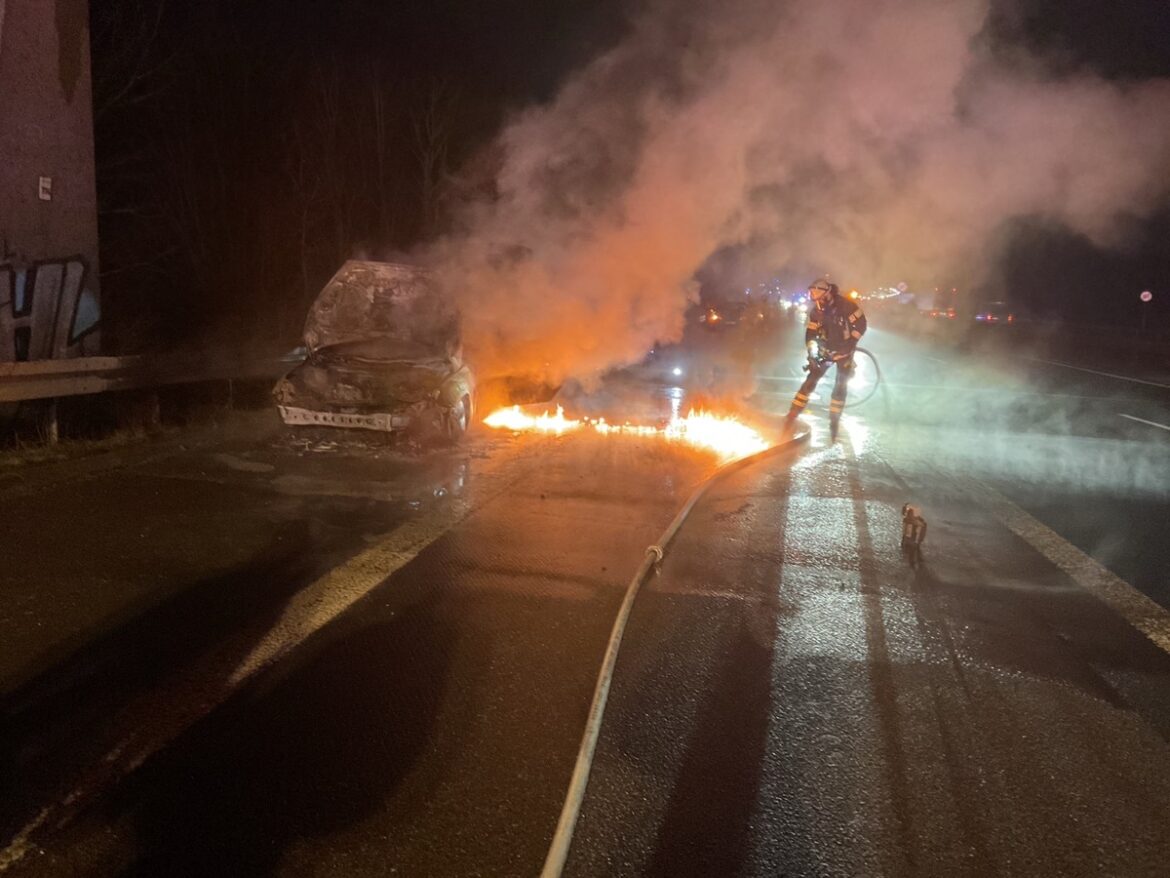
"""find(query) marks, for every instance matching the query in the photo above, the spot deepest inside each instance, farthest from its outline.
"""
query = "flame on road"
(727, 437)
(514, 419)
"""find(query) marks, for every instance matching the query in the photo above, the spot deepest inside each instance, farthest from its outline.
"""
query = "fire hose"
(863, 361)
(558, 853)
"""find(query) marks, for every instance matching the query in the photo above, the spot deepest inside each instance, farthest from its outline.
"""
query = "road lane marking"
(1104, 374)
(1144, 421)
(21, 844)
(315, 607)
(159, 716)
(1149, 617)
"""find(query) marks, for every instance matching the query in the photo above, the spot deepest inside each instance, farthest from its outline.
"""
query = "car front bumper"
(384, 422)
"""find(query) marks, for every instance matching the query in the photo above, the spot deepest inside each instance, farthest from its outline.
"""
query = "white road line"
(1104, 374)
(1144, 421)
(1148, 617)
(315, 607)
(20, 844)
(159, 716)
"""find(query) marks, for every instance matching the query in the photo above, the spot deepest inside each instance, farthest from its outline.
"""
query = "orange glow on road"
(727, 437)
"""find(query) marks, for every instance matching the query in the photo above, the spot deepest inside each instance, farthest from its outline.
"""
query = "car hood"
(395, 307)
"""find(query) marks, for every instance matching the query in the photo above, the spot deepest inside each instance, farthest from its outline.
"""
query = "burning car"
(383, 353)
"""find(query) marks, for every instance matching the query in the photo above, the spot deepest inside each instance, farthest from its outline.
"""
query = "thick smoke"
(880, 140)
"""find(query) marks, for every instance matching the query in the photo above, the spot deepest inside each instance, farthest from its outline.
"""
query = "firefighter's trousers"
(816, 372)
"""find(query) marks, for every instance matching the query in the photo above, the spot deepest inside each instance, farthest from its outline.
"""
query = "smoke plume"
(880, 140)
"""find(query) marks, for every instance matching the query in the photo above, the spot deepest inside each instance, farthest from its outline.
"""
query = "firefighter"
(913, 527)
(835, 325)
(913, 534)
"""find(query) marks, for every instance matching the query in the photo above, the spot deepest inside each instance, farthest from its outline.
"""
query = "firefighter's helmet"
(820, 290)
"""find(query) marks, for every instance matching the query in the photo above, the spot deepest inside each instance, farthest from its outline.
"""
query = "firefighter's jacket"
(836, 327)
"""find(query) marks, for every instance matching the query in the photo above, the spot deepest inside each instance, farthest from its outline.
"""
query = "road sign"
(1146, 296)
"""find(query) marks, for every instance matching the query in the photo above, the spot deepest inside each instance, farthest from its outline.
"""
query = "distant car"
(939, 313)
(383, 353)
(993, 314)
(667, 363)
(725, 315)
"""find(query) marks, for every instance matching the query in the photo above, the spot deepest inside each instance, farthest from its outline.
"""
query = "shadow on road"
(707, 826)
(317, 753)
(60, 727)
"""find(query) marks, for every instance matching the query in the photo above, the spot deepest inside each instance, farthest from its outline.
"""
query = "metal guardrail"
(50, 379)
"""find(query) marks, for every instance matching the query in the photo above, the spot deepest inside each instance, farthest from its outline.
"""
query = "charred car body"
(383, 353)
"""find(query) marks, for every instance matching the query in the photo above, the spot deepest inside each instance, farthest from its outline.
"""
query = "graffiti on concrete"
(47, 310)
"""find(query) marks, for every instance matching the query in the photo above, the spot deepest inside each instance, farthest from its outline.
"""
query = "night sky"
(498, 56)
(1125, 40)
(1122, 41)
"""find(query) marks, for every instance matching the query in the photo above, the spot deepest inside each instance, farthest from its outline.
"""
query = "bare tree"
(128, 62)
(303, 171)
(433, 117)
(384, 119)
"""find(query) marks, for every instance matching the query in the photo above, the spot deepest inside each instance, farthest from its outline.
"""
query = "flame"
(728, 437)
(514, 419)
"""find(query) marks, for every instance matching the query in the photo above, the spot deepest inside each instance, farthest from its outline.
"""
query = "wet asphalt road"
(848, 714)
(259, 658)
